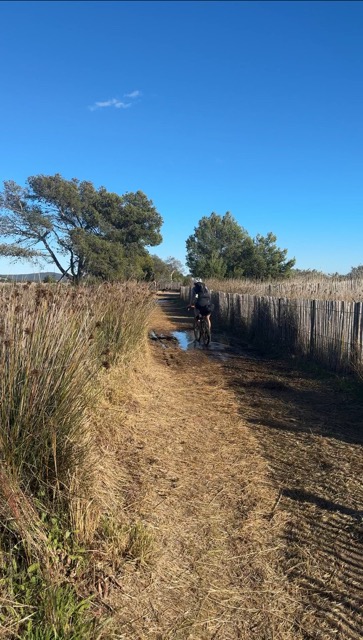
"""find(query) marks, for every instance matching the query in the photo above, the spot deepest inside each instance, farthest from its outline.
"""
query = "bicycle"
(201, 329)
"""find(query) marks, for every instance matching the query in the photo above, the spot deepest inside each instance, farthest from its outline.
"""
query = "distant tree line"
(355, 272)
(97, 234)
(170, 269)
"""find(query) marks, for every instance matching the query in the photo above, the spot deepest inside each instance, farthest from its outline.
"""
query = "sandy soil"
(243, 480)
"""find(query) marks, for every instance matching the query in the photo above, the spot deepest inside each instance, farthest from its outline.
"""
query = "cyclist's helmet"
(197, 280)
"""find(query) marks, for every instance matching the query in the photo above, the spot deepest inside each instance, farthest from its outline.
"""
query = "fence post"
(312, 325)
(356, 354)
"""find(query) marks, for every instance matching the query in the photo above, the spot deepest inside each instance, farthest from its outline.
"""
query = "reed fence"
(317, 288)
(327, 331)
(167, 285)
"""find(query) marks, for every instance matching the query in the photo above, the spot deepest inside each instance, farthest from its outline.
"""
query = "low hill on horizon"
(30, 277)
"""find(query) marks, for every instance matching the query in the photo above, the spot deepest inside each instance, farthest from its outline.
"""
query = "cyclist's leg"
(208, 319)
(207, 313)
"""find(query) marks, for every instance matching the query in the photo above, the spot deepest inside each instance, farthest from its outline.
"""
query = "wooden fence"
(328, 331)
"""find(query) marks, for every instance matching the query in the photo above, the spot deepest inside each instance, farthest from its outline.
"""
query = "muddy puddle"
(221, 347)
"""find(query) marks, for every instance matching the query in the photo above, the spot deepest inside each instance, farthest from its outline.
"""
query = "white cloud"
(122, 105)
(133, 94)
(114, 102)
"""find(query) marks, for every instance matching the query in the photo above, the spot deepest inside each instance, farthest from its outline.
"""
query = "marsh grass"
(309, 286)
(56, 343)
(123, 314)
(47, 367)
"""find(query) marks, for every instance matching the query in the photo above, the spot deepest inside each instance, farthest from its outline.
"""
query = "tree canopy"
(356, 272)
(169, 269)
(221, 248)
(81, 229)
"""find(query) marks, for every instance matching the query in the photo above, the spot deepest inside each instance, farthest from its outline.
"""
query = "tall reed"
(47, 364)
(312, 287)
(55, 341)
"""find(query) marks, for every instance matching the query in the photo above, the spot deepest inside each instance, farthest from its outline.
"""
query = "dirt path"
(243, 479)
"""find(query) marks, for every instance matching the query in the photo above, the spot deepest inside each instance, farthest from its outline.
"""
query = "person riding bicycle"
(200, 300)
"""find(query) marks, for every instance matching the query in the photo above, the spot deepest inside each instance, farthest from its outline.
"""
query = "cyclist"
(200, 300)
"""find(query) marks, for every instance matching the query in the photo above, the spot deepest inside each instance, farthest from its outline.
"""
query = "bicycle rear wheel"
(205, 334)
(196, 328)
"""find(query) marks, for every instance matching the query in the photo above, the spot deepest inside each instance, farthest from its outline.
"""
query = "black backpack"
(203, 294)
(199, 288)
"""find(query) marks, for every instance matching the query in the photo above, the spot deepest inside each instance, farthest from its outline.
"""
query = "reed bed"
(307, 287)
(55, 343)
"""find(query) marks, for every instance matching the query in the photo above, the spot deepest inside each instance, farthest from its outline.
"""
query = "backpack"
(203, 295)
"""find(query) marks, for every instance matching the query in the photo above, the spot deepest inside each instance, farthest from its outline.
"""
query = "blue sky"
(250, 107)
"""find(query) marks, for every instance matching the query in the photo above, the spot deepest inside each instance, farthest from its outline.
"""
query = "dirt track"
(255, 507)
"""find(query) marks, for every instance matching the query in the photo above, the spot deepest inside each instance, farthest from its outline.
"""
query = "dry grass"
(200, 490)
(253, 513)
(54, 343)
(307, 287)
(225, 506)
(57, 478)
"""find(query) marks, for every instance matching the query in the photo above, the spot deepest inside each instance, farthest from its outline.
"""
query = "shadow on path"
(310, 431)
